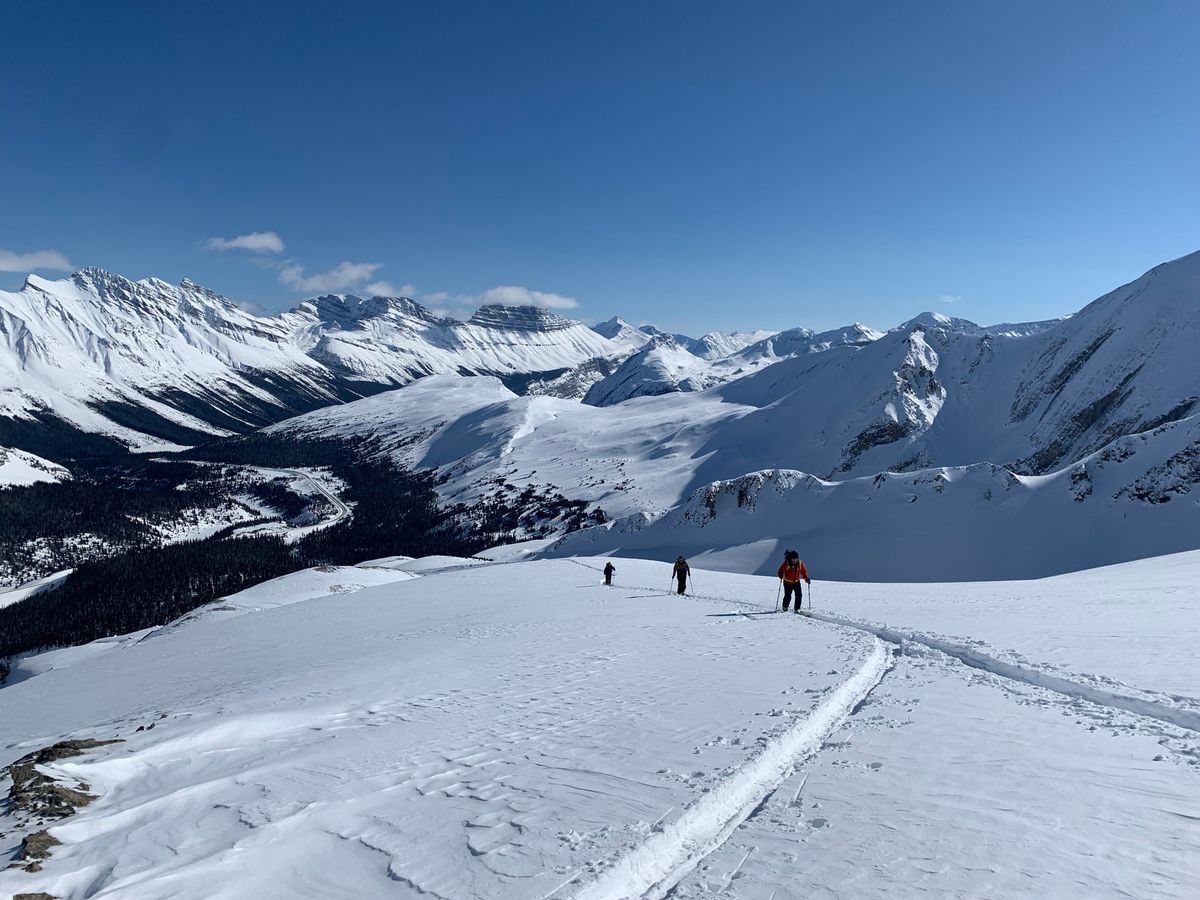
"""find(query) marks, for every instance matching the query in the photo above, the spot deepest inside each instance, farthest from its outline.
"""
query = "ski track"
(976, 659)
(1145, 705)
(652, 868)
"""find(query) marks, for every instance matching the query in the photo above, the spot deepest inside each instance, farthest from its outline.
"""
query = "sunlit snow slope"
(521, 731)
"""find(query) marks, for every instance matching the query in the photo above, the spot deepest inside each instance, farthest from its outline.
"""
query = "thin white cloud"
(251, 307)
(344, 276)
(949, 298)
(387, 289)
(11, 261)
(513, 295)
(255, 242)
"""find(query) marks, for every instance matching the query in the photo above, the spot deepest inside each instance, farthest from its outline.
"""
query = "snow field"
(484, 732)
(521, 731)
(20, 468)
(949, 782)
(653, 868)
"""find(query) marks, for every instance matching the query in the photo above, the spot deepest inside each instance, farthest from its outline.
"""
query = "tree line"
(396, 511)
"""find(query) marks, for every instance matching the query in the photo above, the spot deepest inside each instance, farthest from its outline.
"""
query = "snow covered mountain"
(712, 346)
(146, 360)
(623, 334)
(936, 393)
(946, 401)
(662, 366)
(720, 344)
(665, 366)
(646, 462)
(797, 341)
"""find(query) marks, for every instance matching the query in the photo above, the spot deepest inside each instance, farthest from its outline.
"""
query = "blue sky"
(699, 165)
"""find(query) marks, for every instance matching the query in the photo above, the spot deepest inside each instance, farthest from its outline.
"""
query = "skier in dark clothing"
(791, 573)
(681, 572)
(609, 568)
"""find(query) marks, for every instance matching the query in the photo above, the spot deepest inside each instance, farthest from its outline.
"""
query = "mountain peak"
(101, 278)
(612, 327)
(931, 319)
(348, 312)
(518, 318)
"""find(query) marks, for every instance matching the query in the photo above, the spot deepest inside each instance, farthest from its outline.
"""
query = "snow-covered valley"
(520, 730)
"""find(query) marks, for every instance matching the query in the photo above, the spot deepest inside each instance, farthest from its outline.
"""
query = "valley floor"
(450, 729)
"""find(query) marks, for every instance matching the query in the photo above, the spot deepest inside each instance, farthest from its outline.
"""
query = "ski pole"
(778, 591)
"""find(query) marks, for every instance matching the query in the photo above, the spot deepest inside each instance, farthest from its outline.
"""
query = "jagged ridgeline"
(134, 578)
(146, 362)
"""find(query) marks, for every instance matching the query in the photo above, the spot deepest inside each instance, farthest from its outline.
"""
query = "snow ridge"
(651, 869)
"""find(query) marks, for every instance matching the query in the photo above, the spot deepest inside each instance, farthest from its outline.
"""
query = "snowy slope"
(796, 341)
(720, 344)
(712, 346)
(179, 362)
(622, 334)
(944, 391)
(570, 741)
(938, 391)
(663, 366)
(1122, 364)
(642, 457)
(1023, 329)
(10, 596)
(19, 468)
(1138, 497)
(638, 455)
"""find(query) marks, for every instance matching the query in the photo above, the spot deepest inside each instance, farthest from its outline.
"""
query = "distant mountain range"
(640, 423)
(150, 363)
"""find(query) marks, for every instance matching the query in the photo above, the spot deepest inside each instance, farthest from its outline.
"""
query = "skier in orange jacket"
(791, 573)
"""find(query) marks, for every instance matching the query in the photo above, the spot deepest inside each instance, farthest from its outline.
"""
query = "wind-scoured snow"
(521, 732)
